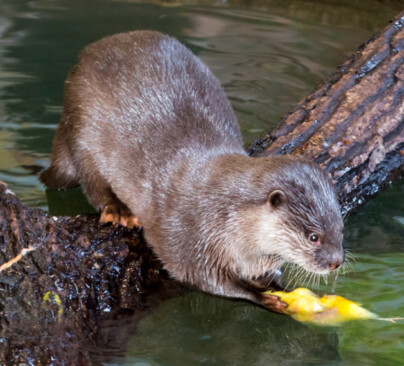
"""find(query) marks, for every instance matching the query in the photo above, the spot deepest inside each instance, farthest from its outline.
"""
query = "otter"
(151, 137)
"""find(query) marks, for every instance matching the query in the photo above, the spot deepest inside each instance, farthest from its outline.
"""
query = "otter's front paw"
(119, 215)
(273, 303)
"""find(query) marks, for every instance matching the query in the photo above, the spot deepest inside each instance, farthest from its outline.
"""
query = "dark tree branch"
(353, 124)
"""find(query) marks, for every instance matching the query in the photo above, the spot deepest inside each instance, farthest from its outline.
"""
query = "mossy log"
(70, 273)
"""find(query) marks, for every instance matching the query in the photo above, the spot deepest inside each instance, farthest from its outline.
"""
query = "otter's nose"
(330, 259)
(336, 261)
(334, 265)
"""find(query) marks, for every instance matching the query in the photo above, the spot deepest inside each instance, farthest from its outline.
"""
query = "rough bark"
(80, 272)
(353, 124)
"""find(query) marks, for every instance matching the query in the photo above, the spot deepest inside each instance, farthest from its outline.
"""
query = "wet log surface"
(77, 272)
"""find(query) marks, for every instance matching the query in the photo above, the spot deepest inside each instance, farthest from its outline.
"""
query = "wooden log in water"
(68, 274)
(353, 124)
(76, 273)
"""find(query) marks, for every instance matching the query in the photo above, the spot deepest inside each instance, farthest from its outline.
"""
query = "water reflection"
(201, 329)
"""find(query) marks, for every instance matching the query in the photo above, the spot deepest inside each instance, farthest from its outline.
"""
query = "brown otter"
(149, 134)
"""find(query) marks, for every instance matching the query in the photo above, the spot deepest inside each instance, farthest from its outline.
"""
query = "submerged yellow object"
(305, 306)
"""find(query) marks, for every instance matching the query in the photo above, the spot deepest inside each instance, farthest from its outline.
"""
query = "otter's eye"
(314, 238)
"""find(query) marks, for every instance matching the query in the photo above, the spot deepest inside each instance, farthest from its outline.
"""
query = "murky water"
(268, 55)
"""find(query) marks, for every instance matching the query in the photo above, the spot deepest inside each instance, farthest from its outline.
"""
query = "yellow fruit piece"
(345, 310)
(305, 306)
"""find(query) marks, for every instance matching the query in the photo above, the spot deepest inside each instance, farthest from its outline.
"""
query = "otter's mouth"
(298, 275)
(320, 262)
(315, 268)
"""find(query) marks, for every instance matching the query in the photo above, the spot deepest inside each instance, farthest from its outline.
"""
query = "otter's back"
(147, 91)
(137, 106)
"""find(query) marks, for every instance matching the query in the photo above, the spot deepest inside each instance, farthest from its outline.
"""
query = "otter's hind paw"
(119, 215)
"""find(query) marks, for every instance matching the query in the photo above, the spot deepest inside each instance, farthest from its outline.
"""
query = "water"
(268, 55)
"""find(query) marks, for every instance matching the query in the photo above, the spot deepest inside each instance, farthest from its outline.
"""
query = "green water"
(268, 55)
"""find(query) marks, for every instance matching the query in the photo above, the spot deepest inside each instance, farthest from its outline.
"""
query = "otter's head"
(301, 222)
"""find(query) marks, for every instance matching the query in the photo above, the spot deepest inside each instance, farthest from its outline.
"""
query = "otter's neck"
(216, 222)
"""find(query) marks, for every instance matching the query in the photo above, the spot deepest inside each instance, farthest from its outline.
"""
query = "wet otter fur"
(149, 134)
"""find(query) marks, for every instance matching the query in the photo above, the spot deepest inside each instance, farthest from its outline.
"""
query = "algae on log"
(353, 124)
(80, 272)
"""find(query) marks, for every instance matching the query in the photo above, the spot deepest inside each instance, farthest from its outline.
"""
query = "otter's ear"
(276, 198)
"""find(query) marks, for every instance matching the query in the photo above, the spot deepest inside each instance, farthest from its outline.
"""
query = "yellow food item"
(305, 306)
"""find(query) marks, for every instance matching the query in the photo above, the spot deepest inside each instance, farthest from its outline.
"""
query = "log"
(353, 124)
(65, 275)
(77, 272)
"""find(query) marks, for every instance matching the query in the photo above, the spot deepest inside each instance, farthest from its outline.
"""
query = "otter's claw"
(274, 303)
(112, 213)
